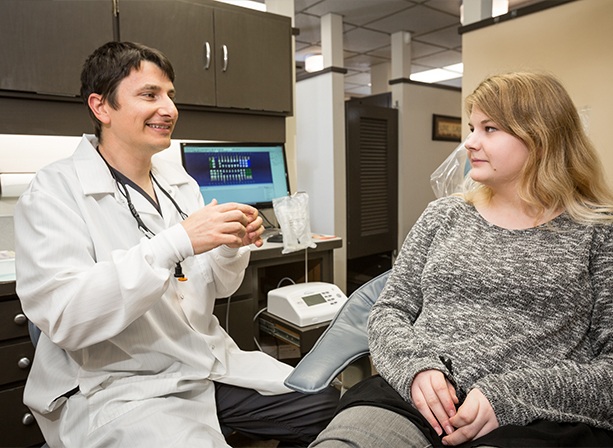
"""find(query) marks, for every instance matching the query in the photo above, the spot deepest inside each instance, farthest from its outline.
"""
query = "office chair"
(35, 335)
(343, 347)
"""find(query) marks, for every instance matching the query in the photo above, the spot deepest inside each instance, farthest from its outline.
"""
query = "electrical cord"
(265, 218)
(228, 314)
(255, 318)
(285, 278)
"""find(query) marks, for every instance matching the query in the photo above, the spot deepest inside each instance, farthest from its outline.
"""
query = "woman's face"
(496, 157)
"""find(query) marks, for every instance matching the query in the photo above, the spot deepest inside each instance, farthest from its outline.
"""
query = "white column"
(379, 78)
(401, 71)
(320, 143)
(332, 40)
(476, 10)
(401, 55)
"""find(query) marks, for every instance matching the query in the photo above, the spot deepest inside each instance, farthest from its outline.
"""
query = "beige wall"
(574, 41)
(419, 155)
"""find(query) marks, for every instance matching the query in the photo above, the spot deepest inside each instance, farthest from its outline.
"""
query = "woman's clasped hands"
(435, 398)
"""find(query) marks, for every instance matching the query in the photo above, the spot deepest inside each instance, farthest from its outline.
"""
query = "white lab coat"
(112, 314)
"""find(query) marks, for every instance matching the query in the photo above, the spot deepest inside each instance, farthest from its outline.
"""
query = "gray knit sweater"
(526, 316)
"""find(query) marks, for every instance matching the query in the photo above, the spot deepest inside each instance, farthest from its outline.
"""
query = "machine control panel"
(306, 303)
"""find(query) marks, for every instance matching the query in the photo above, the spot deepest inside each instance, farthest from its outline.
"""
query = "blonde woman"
(495, 327)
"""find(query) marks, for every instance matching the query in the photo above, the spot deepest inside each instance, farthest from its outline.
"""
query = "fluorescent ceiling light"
(439, 74)
(314, 63)
(458, 68)
(246, 4)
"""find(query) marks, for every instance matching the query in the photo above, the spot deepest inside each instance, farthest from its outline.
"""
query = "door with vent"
(372, 179)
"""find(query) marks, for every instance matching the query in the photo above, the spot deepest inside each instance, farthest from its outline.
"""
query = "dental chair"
(343, 348)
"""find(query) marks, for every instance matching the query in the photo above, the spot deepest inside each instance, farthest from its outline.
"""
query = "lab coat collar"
(95, 177)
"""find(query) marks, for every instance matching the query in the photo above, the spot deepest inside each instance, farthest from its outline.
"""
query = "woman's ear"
(99, 107)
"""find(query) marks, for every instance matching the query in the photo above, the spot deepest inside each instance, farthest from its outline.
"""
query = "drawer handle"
(207, 55)
(225, 58)
(23, 363)
(27, 419)
(20, 319)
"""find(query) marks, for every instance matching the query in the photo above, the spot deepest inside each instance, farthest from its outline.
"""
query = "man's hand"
(231, 224)
(474, 419)
(435, 398)
(254, 229)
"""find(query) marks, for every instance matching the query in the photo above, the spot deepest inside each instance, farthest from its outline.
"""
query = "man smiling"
(119, 264)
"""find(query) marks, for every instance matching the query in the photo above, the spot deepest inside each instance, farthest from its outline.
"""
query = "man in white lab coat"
(131, 354)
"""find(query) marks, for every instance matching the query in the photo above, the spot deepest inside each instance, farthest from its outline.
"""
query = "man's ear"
(99, 107)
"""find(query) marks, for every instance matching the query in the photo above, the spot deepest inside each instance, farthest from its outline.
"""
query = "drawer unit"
(20, 428)
(16, 355)
(13, 323)
(16, 361)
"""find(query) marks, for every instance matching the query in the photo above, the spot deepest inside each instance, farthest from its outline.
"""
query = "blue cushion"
(344, 341)
(34, 333)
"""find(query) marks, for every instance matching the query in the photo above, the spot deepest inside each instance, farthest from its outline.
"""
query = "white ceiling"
(368, 25)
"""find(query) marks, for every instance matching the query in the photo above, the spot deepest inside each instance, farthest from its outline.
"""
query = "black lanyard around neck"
(122, 182)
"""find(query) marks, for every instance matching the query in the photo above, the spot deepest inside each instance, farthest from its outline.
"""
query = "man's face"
(146, 114)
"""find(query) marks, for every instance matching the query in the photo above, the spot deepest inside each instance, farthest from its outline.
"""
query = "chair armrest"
(344, 341)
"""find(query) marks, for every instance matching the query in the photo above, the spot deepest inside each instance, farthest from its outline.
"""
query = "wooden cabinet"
(226, 57)
(184, 33)
(44, 43)
(16, 353)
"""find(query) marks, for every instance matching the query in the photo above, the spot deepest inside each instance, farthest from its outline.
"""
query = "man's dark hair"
(108, 65)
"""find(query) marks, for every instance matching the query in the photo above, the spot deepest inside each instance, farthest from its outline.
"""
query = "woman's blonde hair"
(563, 169)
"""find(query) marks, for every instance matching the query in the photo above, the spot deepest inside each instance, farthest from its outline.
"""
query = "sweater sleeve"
(570, 391)
(398, 351)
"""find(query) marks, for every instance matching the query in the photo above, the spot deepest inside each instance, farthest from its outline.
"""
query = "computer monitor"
(250, 173)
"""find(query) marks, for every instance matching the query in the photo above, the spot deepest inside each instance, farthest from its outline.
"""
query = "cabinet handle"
(20, 319)
(23, 363)
(27, 419)
(225, 58)
(207, 55)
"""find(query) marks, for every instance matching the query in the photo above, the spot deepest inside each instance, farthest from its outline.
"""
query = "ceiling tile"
(359, 12)
(301, 5)
(358, 91)
(309, 27)
(367, 26)
(362, 62)
(383, 52)
(441, 59)
(448, 6)
(362, 40)
(418, 20)
(359, 78)
(416, 68)
(446, 37)
(420, 49)
(457, 82)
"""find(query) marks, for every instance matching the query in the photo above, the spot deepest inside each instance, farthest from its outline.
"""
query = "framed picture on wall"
(446, 128)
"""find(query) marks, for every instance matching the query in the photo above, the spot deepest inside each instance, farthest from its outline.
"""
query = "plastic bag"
(292, 213)
(448, 178)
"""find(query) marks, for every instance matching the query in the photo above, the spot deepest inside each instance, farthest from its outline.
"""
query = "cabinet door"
(184, 33)
(44, 42)
(257, 74)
